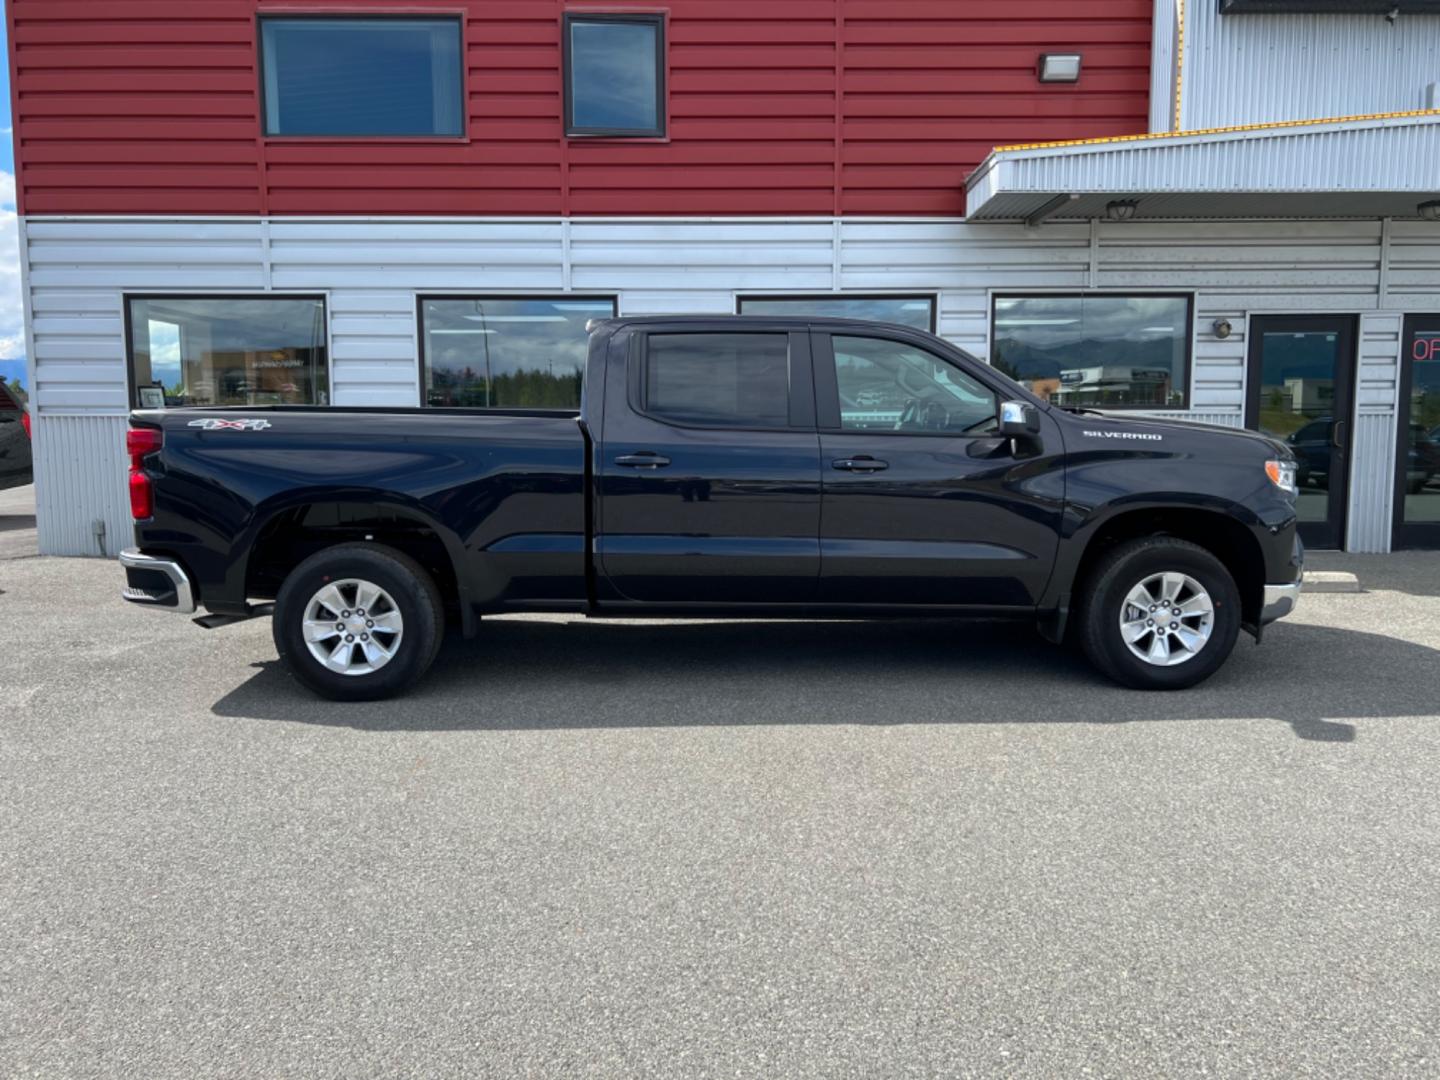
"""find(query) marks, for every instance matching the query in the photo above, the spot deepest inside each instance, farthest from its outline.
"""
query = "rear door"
(924, 505)
(709, 467)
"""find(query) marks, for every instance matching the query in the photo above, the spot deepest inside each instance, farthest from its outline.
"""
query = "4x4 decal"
(211, 424)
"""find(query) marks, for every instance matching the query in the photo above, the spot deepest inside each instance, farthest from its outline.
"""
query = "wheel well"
(294, 535)
(1219, 534)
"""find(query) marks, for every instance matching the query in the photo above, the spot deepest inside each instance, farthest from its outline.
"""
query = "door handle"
(863, 463)
(645, 459)
(1336, 431)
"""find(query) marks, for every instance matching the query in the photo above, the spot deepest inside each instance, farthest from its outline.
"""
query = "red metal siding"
(776, 107)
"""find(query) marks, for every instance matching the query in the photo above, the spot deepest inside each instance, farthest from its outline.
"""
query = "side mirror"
(1019, 420)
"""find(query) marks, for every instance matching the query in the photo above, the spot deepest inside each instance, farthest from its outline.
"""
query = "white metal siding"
(1372, 450)
(371, 272)
(1245, 69)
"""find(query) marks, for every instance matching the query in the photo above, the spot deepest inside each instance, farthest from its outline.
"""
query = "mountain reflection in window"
(1099, 351)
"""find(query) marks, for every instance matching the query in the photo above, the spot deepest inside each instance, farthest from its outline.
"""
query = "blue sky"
(12, 326)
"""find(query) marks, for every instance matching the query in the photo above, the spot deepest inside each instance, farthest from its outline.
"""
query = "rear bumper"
(155, 581)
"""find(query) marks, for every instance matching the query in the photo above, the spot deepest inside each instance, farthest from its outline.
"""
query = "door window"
(719, 380)
(891, 386)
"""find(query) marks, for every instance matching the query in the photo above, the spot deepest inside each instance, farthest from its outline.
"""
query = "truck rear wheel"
(358, 622)
(1159, 614)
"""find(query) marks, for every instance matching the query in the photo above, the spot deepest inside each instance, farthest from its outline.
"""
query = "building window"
(615, 75)
(491, 352)
(210, 350)
(718, 380)
(1096, 350)
(916, 311)
(362, 77)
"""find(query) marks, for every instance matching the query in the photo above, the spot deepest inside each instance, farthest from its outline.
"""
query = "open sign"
(1426, 347)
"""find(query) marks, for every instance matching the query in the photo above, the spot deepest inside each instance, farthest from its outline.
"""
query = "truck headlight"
(1282, 474)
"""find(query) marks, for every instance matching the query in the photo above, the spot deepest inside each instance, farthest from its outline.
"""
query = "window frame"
(1186, 376)
(420, 336)
(661, 131)
(133, 388)
(932, 298)
(1408, 535)
(455, 15)
(800, 405)
(830, 421)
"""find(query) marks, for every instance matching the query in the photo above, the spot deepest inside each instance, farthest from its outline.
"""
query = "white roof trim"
(1391, 155)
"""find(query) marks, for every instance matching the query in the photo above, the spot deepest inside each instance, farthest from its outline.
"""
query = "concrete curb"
(1328, 581)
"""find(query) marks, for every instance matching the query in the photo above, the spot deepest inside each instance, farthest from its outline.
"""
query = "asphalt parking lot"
(734, 849)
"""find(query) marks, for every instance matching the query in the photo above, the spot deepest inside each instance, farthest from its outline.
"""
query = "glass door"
(1301, 381)
(1417, 457)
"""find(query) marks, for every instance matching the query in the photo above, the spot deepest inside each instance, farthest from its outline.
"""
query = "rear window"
(719, 380)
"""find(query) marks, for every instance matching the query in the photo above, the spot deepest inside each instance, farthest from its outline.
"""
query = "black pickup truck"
(721, 466)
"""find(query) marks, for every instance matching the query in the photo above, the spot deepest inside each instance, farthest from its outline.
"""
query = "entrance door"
(1417, 459)
(1301, 385)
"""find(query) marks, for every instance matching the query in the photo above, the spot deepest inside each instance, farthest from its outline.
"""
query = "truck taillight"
(25, 423)
(138, 443)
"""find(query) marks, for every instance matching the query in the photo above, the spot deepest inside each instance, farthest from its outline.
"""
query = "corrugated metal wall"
(372, 270)
(1247, 69)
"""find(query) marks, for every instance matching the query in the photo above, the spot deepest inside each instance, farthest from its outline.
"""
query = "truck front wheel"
(358, 622)
(1159, 614)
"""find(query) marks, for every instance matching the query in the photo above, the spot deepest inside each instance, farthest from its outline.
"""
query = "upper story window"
(615, 75)
(1096, 349)
(369, 77)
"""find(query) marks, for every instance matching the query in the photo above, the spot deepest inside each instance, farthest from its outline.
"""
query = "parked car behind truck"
(719, 467)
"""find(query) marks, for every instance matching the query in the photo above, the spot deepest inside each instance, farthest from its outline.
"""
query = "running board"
(214, 622)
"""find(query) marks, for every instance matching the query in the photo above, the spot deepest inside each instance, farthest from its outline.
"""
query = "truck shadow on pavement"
(524, 675)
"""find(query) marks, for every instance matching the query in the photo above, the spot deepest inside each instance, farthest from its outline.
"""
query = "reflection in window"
(229, 351)
(518, 353)
(1422, 444)
(719, 380)
(916, 311)
(1094, 350)
(613, 74)
(891, 386)
(366, 77)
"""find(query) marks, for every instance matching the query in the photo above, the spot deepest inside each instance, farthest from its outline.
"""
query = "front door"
(1417, 459)
(923, 503)
(1301, 385)
(709, 469)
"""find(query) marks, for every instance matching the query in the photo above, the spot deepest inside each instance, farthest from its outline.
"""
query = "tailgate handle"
(863, 463)
(645, 459)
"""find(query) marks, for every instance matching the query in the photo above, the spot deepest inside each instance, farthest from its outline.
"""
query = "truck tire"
(1159, 613)
(358, 622)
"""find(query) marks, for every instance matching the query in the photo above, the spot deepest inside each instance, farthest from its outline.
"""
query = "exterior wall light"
(1120, 209)
(1059, 67)
(1430, 211)
(1222, 328)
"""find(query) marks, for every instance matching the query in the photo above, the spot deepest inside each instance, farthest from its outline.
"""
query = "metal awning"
(1354, 167)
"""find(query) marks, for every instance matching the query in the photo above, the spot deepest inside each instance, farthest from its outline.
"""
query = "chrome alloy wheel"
(1167, 619)
(353, 627)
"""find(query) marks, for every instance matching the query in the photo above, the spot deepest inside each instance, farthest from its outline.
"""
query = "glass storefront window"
(192, 350)
(1420, 435)
(1096, 350)
(916, 311)
(507, 352)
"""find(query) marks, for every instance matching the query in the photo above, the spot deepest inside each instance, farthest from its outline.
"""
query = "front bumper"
(155, 581)
(1280, 600)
